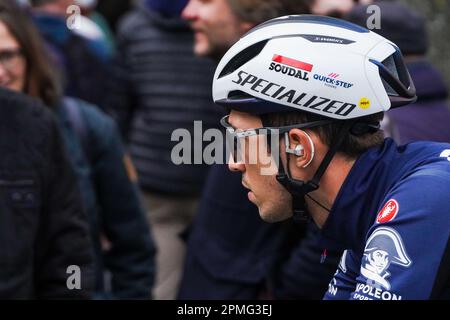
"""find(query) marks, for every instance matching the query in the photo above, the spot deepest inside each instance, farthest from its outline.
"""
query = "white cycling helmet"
(315, 64)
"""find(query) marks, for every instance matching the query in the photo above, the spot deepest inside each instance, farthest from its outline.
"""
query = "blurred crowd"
(90, 94)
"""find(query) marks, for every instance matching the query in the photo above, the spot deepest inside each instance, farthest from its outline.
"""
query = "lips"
(198, 32)
(196, 29)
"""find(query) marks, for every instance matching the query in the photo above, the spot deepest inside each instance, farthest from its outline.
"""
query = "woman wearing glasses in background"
(120, 237)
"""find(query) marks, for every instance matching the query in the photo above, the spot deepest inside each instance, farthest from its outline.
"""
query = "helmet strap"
(299, 188)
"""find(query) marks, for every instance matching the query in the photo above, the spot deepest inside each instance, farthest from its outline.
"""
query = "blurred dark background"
(437, 13)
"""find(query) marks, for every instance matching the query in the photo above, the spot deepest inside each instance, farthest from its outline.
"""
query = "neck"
(330, 184)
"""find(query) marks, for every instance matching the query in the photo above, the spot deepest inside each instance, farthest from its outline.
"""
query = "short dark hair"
(41, 79)
(351, 147)
(258, 11)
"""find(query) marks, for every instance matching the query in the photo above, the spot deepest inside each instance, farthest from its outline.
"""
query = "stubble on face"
(278, 207)
(208, 43)
(273, 200)
(216, 27)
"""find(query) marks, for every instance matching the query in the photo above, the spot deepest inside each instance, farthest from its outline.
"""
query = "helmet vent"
(242, 58)
(398, 74)
(389, 63)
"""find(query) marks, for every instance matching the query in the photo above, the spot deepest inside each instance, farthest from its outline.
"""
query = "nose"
(235, 166)
(189, 12)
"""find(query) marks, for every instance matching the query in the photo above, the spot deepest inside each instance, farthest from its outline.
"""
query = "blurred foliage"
(437, 14)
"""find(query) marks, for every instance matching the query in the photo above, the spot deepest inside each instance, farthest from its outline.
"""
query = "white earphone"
(298, 150)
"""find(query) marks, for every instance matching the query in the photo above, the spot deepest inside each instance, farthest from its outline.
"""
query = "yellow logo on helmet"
(364, 103)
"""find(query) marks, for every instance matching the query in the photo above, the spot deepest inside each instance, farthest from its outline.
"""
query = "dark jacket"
(168, 88)
(429, 117)
(111, 199)
(83, 63)
(43, 229)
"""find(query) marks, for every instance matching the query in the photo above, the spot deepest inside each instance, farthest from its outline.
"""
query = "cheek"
(251, 173)
(23, 73)
(265, 185)
(19, 74)
(22, 76)
(268, 163)
(223, 32)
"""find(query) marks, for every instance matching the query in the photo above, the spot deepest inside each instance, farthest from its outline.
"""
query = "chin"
(272, 215)
(198, 52)
(201, 48)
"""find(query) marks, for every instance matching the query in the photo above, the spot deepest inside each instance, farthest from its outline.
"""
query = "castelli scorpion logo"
(388, 212)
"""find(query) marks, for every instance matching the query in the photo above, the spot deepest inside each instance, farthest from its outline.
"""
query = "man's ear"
(301, 142)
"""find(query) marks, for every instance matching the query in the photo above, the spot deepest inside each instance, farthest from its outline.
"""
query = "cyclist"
(319, 86)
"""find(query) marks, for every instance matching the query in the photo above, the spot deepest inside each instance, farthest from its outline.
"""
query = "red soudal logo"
(291, 67)
(388, 212)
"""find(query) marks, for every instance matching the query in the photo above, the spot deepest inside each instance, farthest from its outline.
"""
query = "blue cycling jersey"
(392, 215)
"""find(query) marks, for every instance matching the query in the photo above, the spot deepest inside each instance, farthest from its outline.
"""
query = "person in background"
(336, 8)
(43, 229)
(105, 174)
(84, 62)
(429, 117)
(163, 87)
(332, 8)
(232, 254)
(44, 235)
(23, 3)
(99, 31)
(114, 10)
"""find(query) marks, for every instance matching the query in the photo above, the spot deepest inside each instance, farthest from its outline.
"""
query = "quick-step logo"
(332, 81)
(291, 67)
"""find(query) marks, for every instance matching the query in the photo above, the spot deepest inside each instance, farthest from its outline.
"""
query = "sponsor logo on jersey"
(291, 67)
(445, 154)
(364, 103)
(332, 81)
(332, 286)
(388, 212)
(292, 96)
(368, 292)
(342, 264)
(383, 248)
